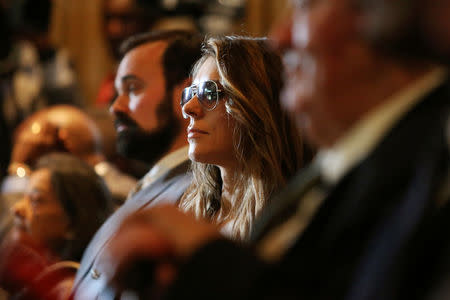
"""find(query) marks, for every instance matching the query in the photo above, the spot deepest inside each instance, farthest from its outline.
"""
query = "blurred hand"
(40, 138)
(144, 256)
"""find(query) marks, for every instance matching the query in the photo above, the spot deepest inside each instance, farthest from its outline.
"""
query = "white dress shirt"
(164, 165)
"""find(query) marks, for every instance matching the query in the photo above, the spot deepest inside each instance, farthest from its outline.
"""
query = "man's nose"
(120, 104)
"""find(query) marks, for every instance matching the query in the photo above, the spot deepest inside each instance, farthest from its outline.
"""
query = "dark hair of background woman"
(83, 195)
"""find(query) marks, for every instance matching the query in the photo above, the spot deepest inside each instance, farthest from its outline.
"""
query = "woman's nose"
(193, 108)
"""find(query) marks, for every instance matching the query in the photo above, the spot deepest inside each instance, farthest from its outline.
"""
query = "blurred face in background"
(122, 18)
(40, 214)
(143, 109)
(328, 68)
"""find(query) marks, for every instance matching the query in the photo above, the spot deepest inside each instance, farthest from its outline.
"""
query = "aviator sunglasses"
(208, 94)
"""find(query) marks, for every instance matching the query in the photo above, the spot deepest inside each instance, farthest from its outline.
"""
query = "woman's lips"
(194, 132)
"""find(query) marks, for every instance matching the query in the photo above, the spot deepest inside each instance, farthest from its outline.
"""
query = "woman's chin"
(196, 158)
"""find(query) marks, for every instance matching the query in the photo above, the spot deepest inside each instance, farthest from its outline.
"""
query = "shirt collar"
(165, 164)
(173, 159)
(362, 138)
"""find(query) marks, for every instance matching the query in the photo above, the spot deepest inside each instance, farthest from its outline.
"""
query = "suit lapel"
(284, 205)
(138, 201)
(372, 198)
(369, 201)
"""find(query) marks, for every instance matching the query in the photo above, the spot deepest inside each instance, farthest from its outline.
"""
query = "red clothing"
(27, 271)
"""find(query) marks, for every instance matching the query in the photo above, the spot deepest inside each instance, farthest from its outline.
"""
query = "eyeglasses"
(207, 92)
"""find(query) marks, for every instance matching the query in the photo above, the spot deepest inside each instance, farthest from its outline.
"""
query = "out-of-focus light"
(36, 128)
(101, 168)
(216, 24)
(21, 172)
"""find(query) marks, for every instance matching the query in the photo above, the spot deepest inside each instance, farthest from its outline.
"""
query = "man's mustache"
(123, 119)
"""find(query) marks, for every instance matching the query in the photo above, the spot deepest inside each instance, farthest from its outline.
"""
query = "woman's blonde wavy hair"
(266, 143)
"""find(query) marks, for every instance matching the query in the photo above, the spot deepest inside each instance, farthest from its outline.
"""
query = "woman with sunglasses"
(241, 142)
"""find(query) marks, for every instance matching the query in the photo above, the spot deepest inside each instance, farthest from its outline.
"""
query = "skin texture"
(39, 213)
(140, 85)
(210, 133)
(145, 113)
(317, 90)
(334, 67)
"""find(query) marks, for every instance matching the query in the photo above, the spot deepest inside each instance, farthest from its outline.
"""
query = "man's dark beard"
(136, 143)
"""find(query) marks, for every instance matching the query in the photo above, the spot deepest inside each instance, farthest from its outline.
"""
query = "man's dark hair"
(183, 50)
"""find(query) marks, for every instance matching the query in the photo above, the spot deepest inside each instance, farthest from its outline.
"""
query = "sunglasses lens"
(186, 96)
(207, 94)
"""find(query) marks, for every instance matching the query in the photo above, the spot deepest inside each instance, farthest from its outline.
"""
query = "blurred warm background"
(56, 52)
(77, 26)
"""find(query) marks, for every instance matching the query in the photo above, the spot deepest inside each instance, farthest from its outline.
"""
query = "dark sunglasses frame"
(199, 90)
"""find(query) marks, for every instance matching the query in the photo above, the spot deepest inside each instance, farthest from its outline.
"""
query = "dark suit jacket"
(379, 234)
(167, 189)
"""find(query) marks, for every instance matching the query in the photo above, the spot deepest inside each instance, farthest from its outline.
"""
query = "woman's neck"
(228, 185)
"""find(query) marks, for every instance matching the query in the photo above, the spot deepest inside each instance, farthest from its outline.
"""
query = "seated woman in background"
(64, 205)
(242, 144)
